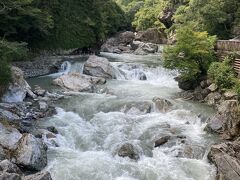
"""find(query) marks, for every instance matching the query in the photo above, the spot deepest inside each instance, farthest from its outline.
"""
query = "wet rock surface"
(78, 82)
(99, 67)
(141, 43)
(128, 150)
(226, 157)
(31, 153)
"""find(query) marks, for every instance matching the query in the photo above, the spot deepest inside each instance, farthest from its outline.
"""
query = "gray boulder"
(226, 158)
(9, 137)
(9, 176)
(9, 167)
(227, 119)
(162, 141)
(99, 67)
(146, 48)
(128, 150)
(18, 88)
(152, 35)
(31, 153)
(78, 82)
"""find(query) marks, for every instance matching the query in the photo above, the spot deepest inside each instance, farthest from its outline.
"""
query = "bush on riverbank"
(192, 53)
(222, 73)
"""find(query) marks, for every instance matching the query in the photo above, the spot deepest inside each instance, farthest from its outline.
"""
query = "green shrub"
(192, 54)
(222, 74)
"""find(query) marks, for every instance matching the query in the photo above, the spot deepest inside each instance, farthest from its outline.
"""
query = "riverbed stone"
(52, 129)
(99, 67)
(31, 153)
(9, 176)
(17, 89)
(162, 105)
(146, 48)
(78, 82)
(43, 106)
(9, 167)
(43, 175)
(128, 150)
(162, 141)
(9, 137)
(39, 91)
(152, 35)
(226, 158)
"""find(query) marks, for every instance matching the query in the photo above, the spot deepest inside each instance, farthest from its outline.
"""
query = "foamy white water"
(92, 128)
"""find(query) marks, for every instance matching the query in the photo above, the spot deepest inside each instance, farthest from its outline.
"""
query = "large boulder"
(78, 82)
(43, 175)
(18, 87)
(227, 119)
(99, 67)
(31, 153)
(152, 35)
(9, 137)
(226, 157)
(126, 37)
(146, 48)
(128, 150)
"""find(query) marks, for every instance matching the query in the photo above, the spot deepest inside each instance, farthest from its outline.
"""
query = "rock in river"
(128, 150)
(9, 137)
(99, 67)
(78, 82)
(31, 153)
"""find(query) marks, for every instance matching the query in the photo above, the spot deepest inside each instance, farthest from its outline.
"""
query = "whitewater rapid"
(92, 128)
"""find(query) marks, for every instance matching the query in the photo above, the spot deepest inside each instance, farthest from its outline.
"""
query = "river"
(92, 127)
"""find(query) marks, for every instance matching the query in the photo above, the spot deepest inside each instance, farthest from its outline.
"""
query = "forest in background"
(33, 25)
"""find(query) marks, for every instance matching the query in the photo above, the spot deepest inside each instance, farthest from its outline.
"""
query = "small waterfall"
(65, 67)
(136, 72)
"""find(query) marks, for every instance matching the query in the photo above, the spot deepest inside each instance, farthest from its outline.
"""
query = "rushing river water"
(92, 127)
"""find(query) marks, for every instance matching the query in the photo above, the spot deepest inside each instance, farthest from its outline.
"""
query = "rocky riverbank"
(23, 152)
(141, 43)
(225, 123)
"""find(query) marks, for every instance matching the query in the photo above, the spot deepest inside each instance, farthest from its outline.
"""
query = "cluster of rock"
(168, 139)
(140, 43)
(20, 154)
(22, 151)
(96, 71)
(225, 123)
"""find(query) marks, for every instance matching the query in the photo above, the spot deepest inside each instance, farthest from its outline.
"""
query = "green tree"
(192, 54)
(214, 16)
